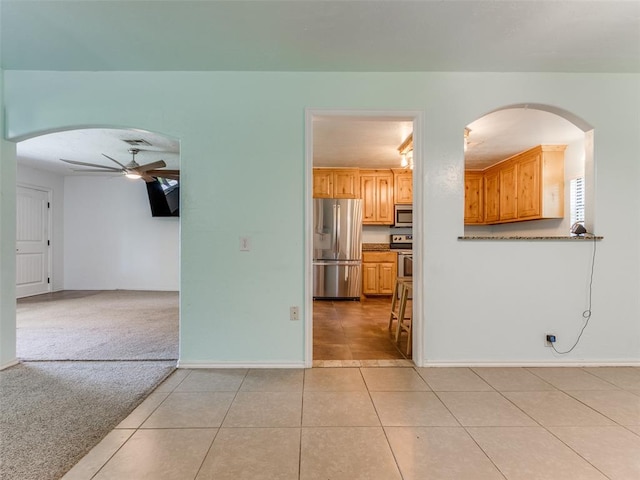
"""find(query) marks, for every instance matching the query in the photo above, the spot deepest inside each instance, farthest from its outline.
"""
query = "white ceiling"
(88, 145)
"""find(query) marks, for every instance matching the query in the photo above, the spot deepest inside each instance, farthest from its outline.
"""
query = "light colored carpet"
(53, 413)
(98, 325)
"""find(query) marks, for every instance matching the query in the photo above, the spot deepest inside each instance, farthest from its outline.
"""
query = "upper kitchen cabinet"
(376, 190)
(527, 186)
(473, 198)
(403, 186)
(336, 183)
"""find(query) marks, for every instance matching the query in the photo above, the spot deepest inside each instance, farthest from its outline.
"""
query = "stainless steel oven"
(403, 244)
(403, 216)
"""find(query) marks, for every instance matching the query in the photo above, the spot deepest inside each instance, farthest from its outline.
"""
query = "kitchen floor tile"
(484, 409)
(333, 380)
(265, 409)
(512, 379)
(619, 405)
(411, 409)
(162, 454)
(532, 453)
(212, 380)
(556, 409)
(253, 454)
(566, 378)
(346, 453)
(99, 455)
(393, 379)
(615, 451)
(623, 377)
(273, 380)
(435, 453)
(191, 410)
(144, 410)
(338, 409)
(457, 379)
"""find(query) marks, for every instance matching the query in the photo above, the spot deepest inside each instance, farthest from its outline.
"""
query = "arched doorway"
(109, 253)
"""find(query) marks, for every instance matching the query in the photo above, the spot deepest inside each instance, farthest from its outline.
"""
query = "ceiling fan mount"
(132, 170)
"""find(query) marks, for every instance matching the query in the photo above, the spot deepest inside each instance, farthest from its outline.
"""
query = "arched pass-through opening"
(113, 244)
(509, 131)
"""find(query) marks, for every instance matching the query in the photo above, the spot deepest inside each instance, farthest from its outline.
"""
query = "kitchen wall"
(32, 177)
(243, 174)
(380, 233)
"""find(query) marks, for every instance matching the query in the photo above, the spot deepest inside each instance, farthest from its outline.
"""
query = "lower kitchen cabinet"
(379, 272)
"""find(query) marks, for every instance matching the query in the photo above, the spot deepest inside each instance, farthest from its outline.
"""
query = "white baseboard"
(532, 364)
(240, 364)
(11, 363)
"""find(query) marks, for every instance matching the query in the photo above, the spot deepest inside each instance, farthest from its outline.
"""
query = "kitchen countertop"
(527, 237)
(375, 247)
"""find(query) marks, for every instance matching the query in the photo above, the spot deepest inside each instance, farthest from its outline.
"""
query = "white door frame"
(418, 223)
(48, 223)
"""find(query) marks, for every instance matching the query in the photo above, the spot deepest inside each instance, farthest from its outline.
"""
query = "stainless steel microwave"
(403, 216)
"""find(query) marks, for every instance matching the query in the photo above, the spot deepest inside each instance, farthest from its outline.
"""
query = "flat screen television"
(164, 197)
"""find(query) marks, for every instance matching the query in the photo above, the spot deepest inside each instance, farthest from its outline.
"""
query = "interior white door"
(32, 242)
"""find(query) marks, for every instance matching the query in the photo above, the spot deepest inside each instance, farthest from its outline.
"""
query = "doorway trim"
(417, 117)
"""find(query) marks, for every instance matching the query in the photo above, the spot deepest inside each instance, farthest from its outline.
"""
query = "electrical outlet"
(245, 244)
(549, 340)
(294, 313)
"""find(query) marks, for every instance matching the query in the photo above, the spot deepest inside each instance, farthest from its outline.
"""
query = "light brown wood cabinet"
(402, 186)
(379, 272)
(527, 186)
(473, 198)
(376, 190)
(336, 183)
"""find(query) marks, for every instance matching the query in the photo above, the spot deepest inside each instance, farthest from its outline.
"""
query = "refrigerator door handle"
(338, 233)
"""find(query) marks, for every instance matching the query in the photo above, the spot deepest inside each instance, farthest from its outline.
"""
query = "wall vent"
(137, 142)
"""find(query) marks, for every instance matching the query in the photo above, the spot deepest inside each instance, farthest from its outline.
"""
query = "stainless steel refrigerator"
(337, 248)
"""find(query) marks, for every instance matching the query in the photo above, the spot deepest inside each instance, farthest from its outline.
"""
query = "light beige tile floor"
(379, 423)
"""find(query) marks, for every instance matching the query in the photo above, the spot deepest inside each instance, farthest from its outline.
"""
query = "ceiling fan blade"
(151, 166)
(172, 174)
(85, 164)
(92, 170)
(114, 160)
(148, 178)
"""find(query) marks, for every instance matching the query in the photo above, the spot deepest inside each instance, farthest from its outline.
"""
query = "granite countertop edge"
(375, 247)
(530, 237)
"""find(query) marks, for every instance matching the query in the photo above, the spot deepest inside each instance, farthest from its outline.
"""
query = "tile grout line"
(384, 431)
(138, 428)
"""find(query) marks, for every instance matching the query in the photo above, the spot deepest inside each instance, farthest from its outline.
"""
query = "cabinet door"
(387, 272)
(529, 202)
(473, 198)
(370, 278)
(492, 196)
(403, 186)
(346, 183)
(368, 194)
(384, 187)
(508, 192)
(322, 183)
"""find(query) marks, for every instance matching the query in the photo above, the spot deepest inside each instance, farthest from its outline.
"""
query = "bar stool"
(397, 293)
(403, 324)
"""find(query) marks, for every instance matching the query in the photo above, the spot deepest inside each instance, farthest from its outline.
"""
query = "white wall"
(28, 176)
(243, 174)
(111, 239)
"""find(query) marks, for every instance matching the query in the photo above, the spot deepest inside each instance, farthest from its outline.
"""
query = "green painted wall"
(243, 171)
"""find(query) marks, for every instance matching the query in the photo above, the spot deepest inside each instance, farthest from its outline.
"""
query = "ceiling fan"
(132, 169)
